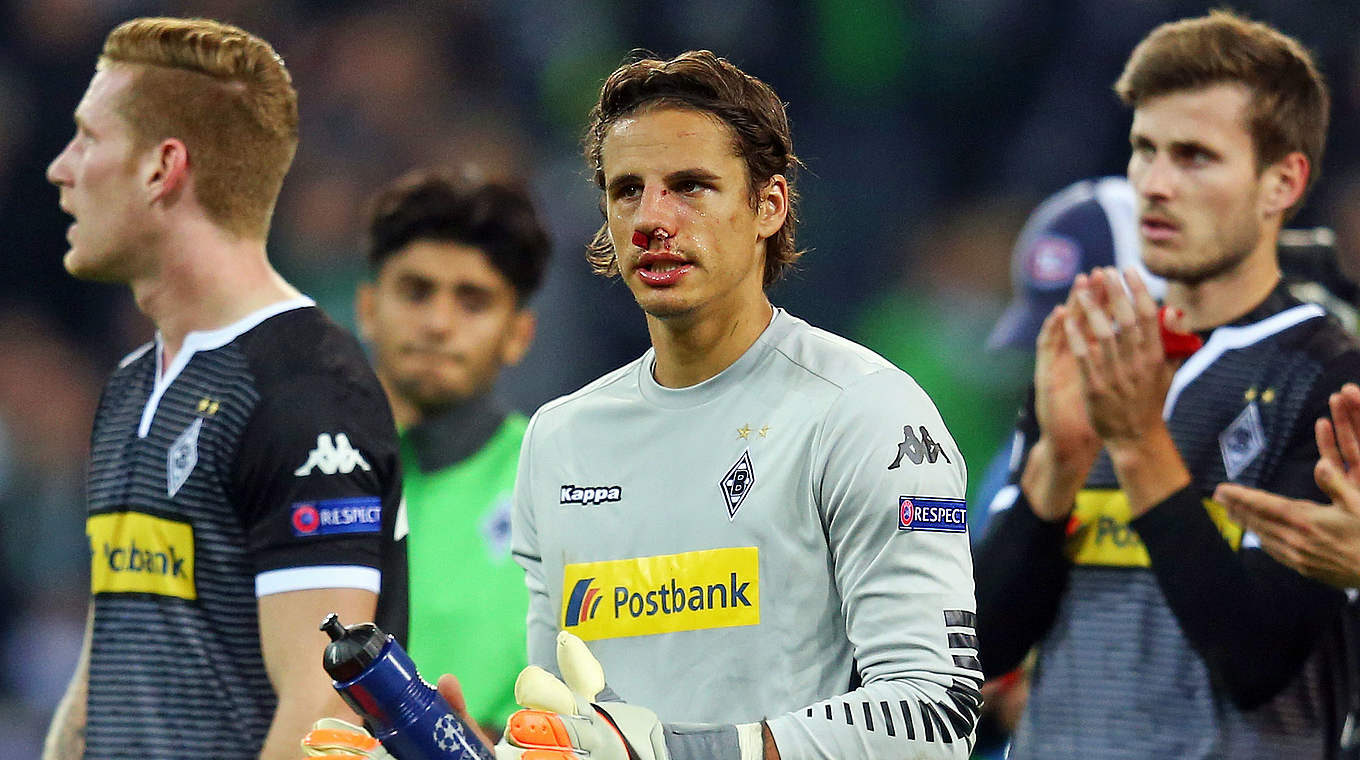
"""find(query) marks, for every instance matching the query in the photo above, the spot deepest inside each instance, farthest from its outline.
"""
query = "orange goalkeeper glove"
(336, 739)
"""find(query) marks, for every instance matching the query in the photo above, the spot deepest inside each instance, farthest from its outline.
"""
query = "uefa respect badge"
(325, 517)
(932, 514)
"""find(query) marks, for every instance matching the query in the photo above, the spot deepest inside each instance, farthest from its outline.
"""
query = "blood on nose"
(640, 240)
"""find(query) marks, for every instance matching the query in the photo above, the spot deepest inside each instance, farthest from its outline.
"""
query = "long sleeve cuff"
(702, 741)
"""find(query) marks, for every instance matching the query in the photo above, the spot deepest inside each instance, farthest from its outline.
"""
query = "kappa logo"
(333, 455)
(588, 495)
(918, 449)
(182, 457)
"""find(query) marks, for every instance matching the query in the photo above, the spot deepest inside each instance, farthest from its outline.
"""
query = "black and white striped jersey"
(1172, 634)
(262, 460)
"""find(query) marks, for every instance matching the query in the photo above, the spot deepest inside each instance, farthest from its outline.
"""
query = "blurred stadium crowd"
(930, 128)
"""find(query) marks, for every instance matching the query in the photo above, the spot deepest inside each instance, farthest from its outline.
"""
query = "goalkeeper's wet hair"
(496, 217)
(701, 81)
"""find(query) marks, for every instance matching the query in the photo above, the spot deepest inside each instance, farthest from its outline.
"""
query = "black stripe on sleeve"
(928, 709)
(966, 698)
(962, 690)
(963, 641)
(962, 726)
(960, 618)
(907, 722)
(968, 662)
(929, 734)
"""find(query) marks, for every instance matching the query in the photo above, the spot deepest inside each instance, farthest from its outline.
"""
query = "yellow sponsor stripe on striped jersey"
(1098, 532)
(132, 552)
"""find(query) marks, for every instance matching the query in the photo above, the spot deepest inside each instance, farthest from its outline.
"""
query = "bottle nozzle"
(333, 627)
(352, 648)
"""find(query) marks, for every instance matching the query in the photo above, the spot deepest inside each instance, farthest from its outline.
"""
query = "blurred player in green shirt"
(453, 264)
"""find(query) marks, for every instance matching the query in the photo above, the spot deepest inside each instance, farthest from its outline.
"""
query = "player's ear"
(166, 170)
(772, 206)
(1284, 183)
(363, 310)
(519, 337)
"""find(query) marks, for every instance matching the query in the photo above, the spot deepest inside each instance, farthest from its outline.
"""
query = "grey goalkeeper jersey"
(785, 540)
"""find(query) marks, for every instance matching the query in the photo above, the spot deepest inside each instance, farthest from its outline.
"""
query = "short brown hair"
(1289, 105)
(701, 81)
(227, 95)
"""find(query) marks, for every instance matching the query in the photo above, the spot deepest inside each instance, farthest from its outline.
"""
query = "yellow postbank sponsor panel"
(1098, 532)
(133, 552)
(691, 591)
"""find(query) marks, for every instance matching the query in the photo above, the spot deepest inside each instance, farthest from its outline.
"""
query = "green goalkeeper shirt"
(467, 596)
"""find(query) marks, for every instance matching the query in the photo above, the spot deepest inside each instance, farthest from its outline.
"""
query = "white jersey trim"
(135, 355)
(1005, 499)
(205, 340)
(321, 576)
(1225, 339)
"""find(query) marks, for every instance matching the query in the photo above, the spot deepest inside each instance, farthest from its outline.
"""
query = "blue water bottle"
(377, 678)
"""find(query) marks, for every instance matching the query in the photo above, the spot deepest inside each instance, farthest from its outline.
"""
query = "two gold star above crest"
(744, 432)
(1267, 396)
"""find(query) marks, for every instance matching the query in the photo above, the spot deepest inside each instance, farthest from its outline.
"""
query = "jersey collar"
(734, 375)
(454, 434)
(205, 340)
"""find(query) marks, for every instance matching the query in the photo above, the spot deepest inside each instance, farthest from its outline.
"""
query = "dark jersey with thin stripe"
(1173, 634)
(265, 460)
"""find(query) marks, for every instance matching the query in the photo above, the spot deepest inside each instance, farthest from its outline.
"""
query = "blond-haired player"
(244, 476)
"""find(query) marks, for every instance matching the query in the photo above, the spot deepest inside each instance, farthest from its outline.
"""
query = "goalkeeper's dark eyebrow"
(671, 179)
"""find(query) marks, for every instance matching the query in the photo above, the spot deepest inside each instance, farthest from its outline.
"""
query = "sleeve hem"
(318, 577)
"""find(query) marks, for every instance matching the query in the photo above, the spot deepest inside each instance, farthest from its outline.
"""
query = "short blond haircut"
(227, 96)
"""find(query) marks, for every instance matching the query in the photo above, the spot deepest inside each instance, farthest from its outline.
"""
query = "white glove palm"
(336, 739)
(561, 722)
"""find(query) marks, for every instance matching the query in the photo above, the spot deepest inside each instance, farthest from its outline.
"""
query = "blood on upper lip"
(641, 241)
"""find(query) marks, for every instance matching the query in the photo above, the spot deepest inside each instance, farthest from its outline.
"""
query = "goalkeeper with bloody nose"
(756, 572)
